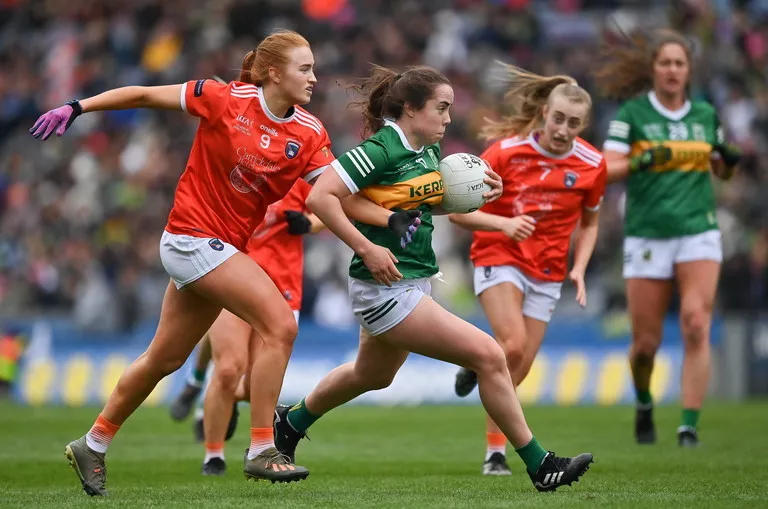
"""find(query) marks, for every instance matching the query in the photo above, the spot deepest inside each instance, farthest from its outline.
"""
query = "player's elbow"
(315, 200)
(456, 219)
(141, 96)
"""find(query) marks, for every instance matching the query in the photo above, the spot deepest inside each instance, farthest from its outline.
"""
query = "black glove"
(298, 223)
(731, 155)
(654, 156)
(404, 223)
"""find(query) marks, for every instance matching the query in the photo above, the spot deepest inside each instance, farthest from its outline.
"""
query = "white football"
(463, 185)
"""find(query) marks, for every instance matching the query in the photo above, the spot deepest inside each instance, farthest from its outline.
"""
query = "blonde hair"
(626, 70)
(526, 97)
(271, 52)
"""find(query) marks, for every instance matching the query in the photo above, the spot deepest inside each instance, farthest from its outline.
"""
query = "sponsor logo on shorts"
(216, 245)
(487, 272)
(647, 255)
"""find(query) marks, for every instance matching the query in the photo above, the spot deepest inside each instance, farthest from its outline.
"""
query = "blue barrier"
(582, 361)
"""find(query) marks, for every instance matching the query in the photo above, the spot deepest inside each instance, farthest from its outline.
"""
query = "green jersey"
(675, 199)
(389, 172)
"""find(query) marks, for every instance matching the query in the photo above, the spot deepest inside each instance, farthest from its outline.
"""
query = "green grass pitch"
(421, 457)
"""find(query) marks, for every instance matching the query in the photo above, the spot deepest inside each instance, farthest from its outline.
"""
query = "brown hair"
(385, 93)
(271, 52)
(526, 96)
(626, 70)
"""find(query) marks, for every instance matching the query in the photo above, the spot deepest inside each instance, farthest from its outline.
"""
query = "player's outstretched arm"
(59, 119)
(166, 97)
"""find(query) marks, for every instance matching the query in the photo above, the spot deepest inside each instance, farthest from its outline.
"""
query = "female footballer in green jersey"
(397, 167)
(665, 145)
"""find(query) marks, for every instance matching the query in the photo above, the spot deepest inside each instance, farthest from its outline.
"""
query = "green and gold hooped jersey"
(676, 199)
(389, 172)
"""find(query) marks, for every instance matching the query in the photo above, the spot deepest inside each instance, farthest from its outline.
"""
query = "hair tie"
(398, 76)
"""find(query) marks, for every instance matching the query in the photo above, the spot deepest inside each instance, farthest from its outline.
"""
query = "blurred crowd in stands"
(81, 216)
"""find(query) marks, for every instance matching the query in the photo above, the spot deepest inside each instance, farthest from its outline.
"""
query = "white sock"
(491, 450)
(209, 455)
(259, 445)
(94, 445)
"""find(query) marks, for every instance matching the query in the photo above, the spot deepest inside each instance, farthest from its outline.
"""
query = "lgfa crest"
(433, 157)
(291, 149)
(570, 178)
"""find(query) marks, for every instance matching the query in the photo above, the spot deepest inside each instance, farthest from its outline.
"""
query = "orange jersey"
(279, 253)
(243, 158)
(550, 188)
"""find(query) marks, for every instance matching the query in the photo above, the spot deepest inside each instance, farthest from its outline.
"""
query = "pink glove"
(58, 119)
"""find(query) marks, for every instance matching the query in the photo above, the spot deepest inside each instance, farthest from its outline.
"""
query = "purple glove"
(58, 119)
(404, 223)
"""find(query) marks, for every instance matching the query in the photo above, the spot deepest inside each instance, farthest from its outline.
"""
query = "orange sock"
(496, 442)
(101, 434)
(261, 440)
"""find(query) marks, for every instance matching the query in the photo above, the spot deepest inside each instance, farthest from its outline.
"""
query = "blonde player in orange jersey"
(553, 183)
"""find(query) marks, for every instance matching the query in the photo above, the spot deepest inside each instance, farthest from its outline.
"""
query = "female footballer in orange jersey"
(553, 183)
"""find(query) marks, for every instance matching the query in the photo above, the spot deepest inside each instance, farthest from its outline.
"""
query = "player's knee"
(282, 330)
(163, 366)
(378, 381)
(515, 354)
(488, 357)
(228, 374)
(694, 322)
(645, 343)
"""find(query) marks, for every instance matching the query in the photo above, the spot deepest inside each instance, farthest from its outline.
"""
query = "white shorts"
(378, 308)
(539, 297)
(187, 259)
(296, 314)
(656, 258)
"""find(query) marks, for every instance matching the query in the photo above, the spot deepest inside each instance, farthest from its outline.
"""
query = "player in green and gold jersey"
(389, 286)
(665, 146)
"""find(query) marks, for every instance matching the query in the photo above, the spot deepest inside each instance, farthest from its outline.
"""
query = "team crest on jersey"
(216, 245)
(433, 157)
(292, 149)
(570, 178)
(287, 295)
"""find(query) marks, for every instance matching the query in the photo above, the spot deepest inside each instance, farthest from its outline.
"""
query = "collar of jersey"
(541, 150)
(271, 115)
(675, 115)
(391, 123)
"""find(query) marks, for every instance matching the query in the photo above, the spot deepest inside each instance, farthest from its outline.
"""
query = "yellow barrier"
(567, 378)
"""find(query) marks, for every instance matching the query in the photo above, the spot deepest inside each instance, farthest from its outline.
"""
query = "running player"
(253, 143)
(553, 182)
(407, 115)
(277, 246)
(665, 145)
